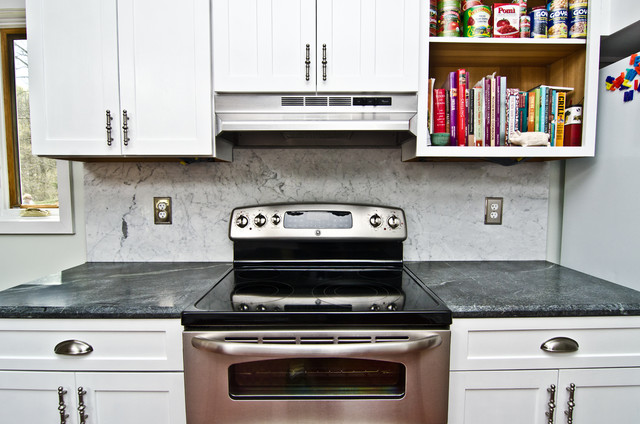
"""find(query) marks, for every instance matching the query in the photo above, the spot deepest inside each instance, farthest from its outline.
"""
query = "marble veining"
(443, 202)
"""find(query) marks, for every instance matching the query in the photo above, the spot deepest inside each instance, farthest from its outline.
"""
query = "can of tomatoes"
(448, 18)
(525, 26)
(466, 4)
(476, 22)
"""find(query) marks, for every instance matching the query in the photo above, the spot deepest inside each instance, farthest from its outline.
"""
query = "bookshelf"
(526, 63)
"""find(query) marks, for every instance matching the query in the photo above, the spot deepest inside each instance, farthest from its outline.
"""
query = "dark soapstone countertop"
(113, 290)
(482, 289)
(493, 289)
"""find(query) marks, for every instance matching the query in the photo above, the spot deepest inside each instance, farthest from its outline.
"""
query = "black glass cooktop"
(312, 297)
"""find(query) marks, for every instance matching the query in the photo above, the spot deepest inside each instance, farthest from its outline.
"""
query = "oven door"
(345, 376)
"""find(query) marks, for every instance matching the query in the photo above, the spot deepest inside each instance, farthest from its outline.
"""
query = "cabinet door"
(260, 45)
(133, 398)
(73, 76)
(601, 395)
(32, 397)
(371, 45)
(500, 397)
(165, 76)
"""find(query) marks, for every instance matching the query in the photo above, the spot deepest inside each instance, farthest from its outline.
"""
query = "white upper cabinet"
(73, 76)
(315, 45)
(371, 45)
(149, 58)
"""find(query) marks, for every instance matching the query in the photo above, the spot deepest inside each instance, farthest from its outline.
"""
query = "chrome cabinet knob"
(275, 219)
(394, 221)
(242, 221)
(375, 220)
(260, 220)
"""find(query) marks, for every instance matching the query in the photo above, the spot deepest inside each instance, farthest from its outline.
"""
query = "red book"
(461, 118)
(439, 111)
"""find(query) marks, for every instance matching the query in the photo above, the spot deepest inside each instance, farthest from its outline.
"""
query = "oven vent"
(317, 339)
(292, 101)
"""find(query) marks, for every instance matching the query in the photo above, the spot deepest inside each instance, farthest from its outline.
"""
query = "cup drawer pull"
(560, 345)
(73, 347)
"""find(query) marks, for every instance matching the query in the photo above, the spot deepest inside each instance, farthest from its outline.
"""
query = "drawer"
(122, 345)
(515, 343)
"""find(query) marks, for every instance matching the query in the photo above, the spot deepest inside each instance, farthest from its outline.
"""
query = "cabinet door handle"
(307, 62)
(61, 405)
(109, 119)
(81, 406)
(551, 404)
(324, 62)
(571, 404)
(73, 347)
(560, 345)
(125, 128)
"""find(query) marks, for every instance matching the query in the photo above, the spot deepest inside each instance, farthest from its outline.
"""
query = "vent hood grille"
(240, 117)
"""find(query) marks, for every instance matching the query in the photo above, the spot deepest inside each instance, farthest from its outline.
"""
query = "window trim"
(60, 220)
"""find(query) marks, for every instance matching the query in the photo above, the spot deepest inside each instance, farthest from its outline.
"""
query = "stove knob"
(242, 221)
(394, 221)
(275, 219)
(260, 220)
(261, 308)
(243, 307)
(374, 308)
(375, 220)
(392, 307)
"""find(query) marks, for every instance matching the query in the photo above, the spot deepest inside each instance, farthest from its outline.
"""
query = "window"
(27, 181)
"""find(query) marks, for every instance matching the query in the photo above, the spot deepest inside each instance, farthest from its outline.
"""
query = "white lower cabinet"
(500, 374)
(133, 375)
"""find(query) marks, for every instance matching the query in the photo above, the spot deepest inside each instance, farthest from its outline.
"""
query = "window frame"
(60, 220)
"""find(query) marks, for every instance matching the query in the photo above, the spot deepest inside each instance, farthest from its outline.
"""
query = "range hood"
(315, 120)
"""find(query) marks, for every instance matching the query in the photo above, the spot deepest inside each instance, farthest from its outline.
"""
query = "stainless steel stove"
(317, 311)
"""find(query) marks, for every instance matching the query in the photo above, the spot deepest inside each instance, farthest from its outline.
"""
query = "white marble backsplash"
(443, 202)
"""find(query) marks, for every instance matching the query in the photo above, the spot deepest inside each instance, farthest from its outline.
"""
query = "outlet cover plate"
(493, 210)
(162, 210)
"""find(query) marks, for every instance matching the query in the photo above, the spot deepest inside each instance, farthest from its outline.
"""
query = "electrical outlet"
(162, 210)
(493, 210)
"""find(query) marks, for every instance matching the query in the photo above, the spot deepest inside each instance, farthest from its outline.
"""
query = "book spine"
(439, 116)
(553, 116)
(471, 141)
(536, 109)
(447, 111)
(562, 98)
(503, 110)
(531, 111)
(543, 110)
(511, 113)
(430, 107)
(461, 138)
(487, 112)
(479, 112)
(453, 108)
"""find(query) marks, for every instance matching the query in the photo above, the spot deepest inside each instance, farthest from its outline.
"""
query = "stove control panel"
(318, 221)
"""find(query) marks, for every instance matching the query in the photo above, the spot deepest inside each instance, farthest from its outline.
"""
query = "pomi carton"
(506, 20)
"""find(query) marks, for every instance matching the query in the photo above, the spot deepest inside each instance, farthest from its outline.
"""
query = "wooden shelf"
(458, 51)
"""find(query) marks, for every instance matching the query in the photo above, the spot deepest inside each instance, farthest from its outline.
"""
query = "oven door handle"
(347, 349)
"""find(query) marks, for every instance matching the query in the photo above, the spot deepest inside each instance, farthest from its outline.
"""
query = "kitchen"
(443, 203)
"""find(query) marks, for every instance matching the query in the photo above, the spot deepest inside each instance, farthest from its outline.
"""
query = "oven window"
(302, 378)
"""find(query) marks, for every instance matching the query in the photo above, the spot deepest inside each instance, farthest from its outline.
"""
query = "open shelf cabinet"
(526, 63)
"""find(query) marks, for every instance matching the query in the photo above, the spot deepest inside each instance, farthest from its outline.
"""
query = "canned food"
(557, 5)
(525, 27)
(575, 3)
(557, 23)
(433, 22)
(476, 22)
(446, 5)
(578, 22)
(539, 17)
(523, 6)
(449, 24)
(466, 4)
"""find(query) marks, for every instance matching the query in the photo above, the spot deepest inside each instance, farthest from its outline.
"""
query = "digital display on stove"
(318, 220)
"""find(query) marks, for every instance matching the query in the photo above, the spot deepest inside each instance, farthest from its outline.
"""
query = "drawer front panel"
(136, 345)
(516, 344)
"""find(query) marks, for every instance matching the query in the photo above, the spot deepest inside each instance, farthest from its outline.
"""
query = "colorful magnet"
(632, 60)
(628, 96)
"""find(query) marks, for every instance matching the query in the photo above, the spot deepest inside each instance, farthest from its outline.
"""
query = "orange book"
(531, 117)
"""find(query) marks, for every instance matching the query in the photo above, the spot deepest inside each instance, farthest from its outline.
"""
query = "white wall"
(601, 225)
(618, 14)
